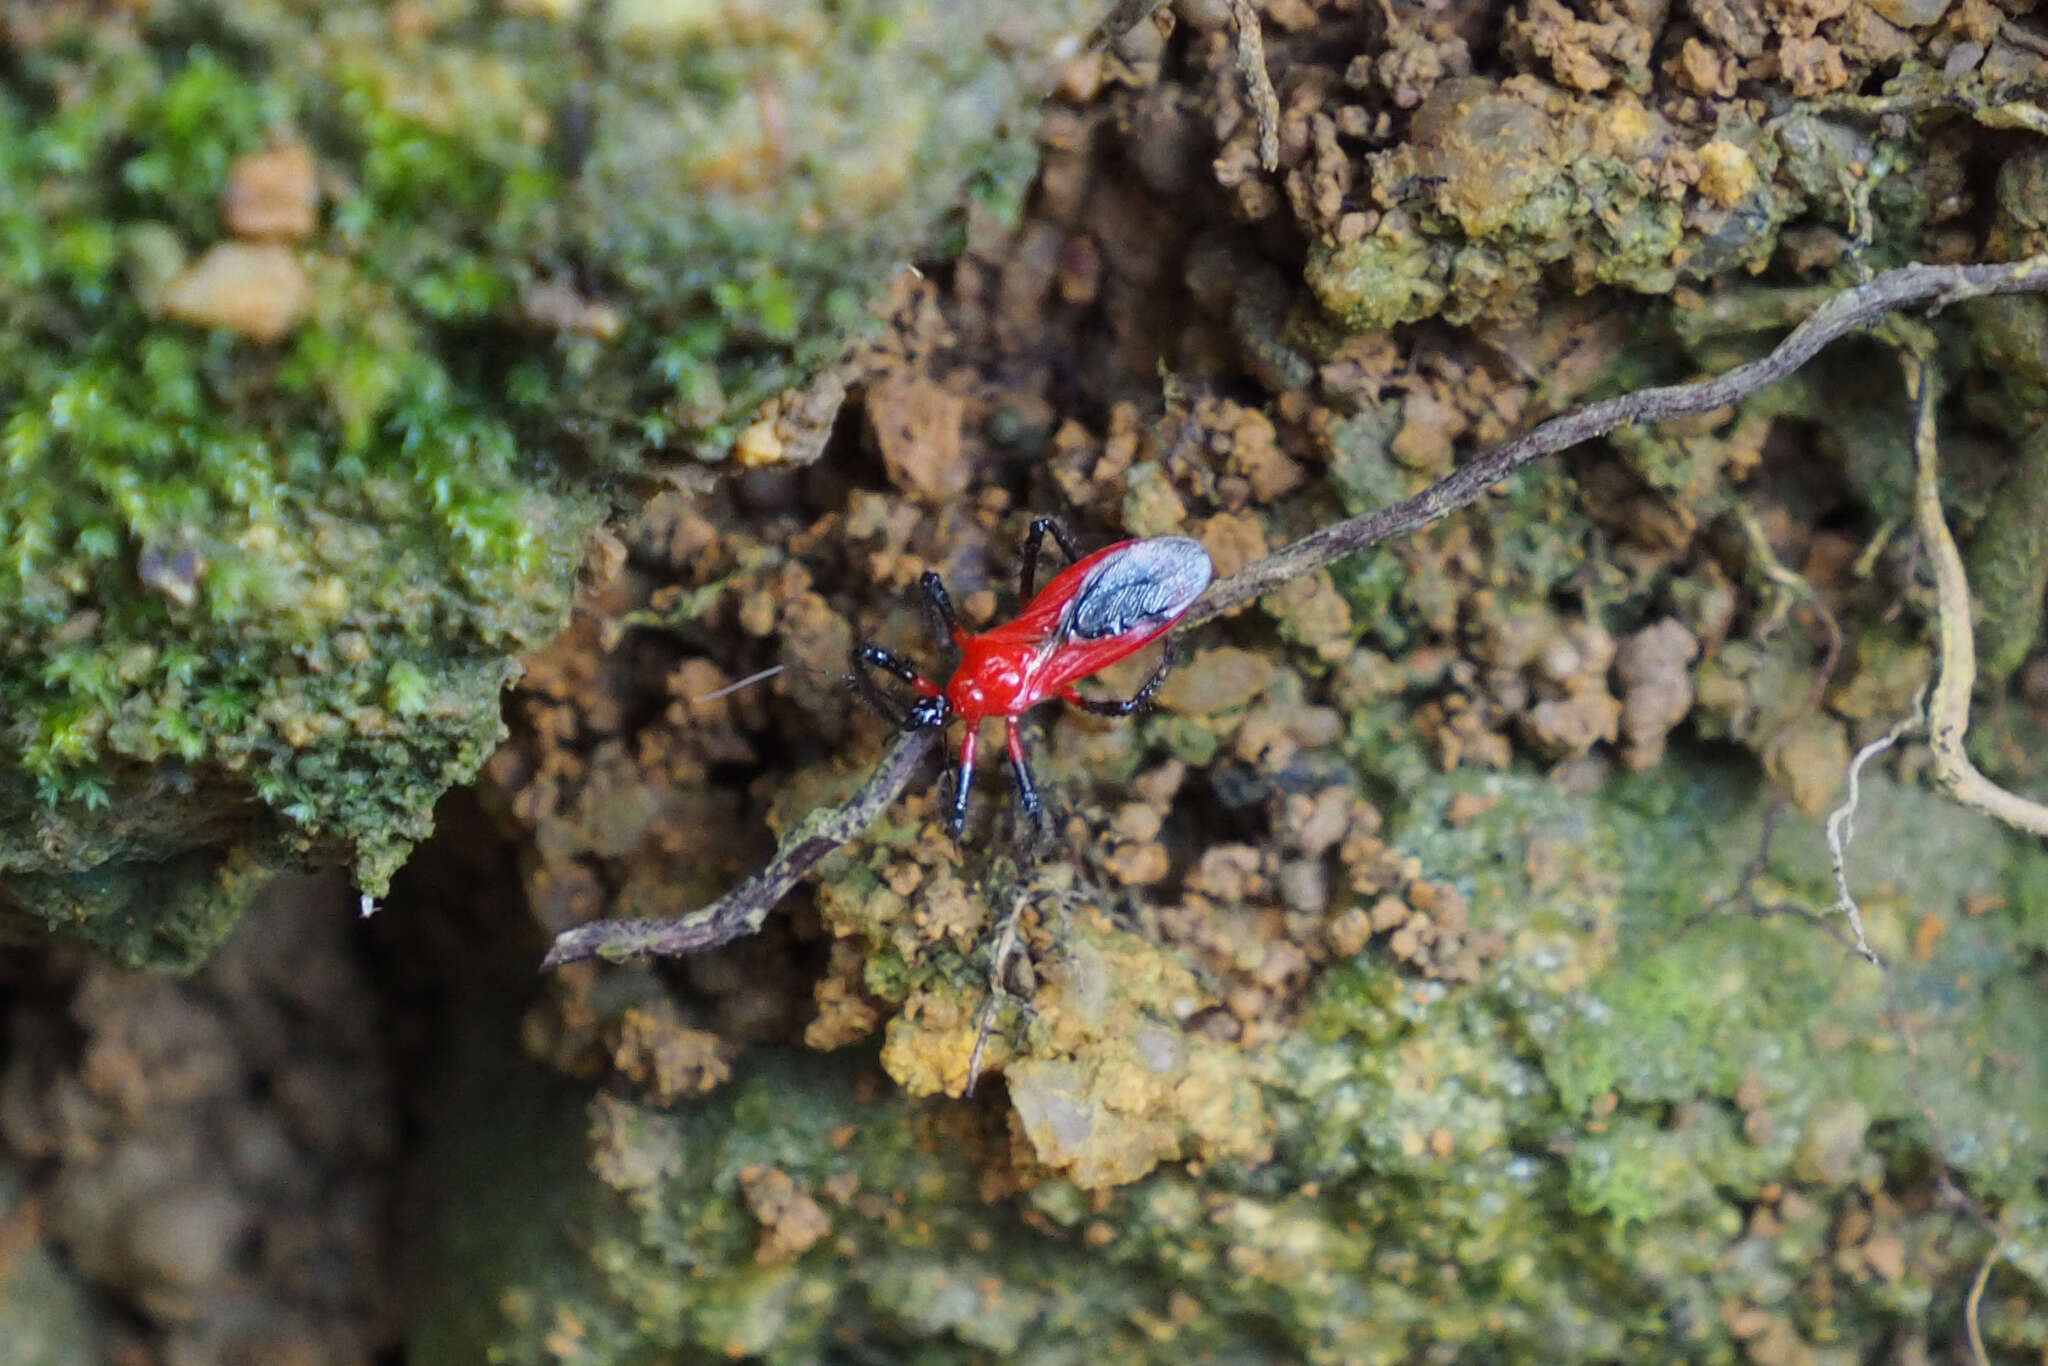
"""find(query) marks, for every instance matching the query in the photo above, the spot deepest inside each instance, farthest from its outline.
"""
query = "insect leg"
(1027, 788)
(939, 614)
(1124, 706)
(956, 819)
(1033, 542)
(870, 656)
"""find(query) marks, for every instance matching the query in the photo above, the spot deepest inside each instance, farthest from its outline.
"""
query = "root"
(1948, 709)
(1004, 949)
(1975, 1303)
(1842, 829)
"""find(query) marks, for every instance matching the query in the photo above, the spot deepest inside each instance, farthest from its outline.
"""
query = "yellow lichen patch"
(845, 1014)
(1727, 175)
(1626, 128)
(1111, 1083)
(929, 1045)
(1104, 1079)
(759, 446)
(667, 1059)
(947, 911)
(1064, 1114)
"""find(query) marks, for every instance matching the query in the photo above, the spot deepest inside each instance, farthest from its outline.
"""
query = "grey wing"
(1140, 589)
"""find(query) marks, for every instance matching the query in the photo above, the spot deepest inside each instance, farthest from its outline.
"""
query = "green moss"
(258, 602)
(1561, 1161)
(1649, 1013)
(1376, 282)
(2008, 563)
(1505, 188)
(168, 914)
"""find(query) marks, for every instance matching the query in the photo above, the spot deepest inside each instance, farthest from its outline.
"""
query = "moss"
(1504, 186)
(168, 914)
(1685, 1052)
(2008, 563)
(258, 599)
(1377, 282)
(1563, 1160)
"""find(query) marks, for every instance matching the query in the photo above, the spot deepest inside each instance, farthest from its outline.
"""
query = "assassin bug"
(1097, 610)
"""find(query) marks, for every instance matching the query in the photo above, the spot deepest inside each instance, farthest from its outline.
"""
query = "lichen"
(1652, 1105)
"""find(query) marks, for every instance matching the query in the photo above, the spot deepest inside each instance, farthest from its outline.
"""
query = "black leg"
(963, 783)
(938, 613)
(1020, 769)
(1124, 706)
(869, 656)
(1033, 542)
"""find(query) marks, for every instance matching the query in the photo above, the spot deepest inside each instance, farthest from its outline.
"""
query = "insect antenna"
(729, 689)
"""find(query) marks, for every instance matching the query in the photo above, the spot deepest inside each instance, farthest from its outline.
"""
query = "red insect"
(1095, 612)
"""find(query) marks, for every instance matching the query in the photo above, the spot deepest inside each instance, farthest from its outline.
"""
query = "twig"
(1744, 896)
(1844, 313)
(1791, 587)
(998, 991)
(1975, 1302)
(1842, 829)
(1251, 61)
(1948, 710)
(742, 910)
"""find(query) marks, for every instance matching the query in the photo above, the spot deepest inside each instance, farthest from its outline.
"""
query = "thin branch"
(1842, 829)
(1887, 293)
(1975, 1303)
(1744, 896)
(743, 910)
(1792, 588)
(1005, 947)
(1948, 710)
